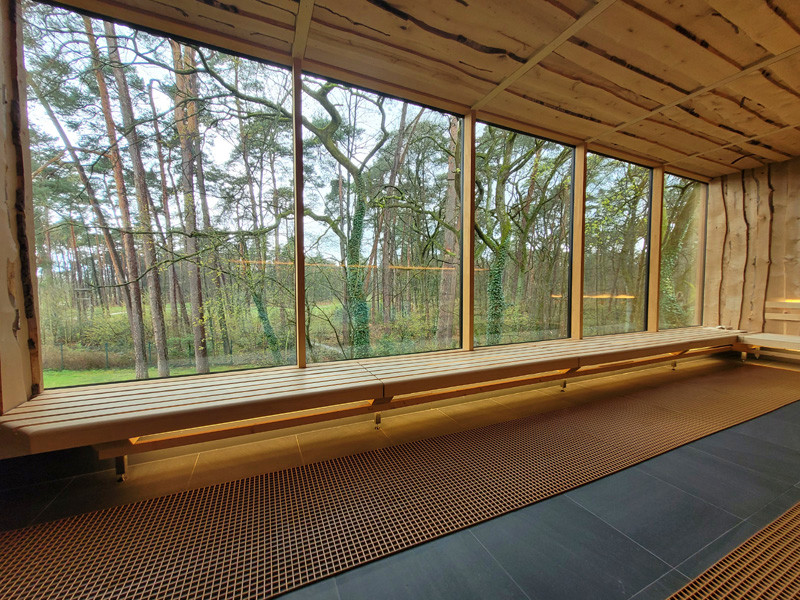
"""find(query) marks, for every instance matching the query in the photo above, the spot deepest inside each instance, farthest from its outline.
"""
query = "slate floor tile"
(790, 412)
(19, 506)
(713, 552)
(96, 491)
(772, 428)
(322, 590)
(776, 508)
(663, 587)
(669, 522)
(455, 566)
(774, 460)
(738, 490)
(557, 550)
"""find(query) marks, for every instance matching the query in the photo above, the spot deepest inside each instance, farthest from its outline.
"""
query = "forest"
(163, 197)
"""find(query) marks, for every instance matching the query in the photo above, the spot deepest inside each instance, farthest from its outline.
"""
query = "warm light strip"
(609, 296)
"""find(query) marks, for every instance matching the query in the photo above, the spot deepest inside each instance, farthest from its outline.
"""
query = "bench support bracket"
(121, 467)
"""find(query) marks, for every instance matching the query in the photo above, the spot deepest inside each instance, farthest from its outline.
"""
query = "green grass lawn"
(56, 378)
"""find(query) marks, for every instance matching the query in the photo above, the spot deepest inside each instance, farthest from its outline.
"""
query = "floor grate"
(265, 535)
(767, 566)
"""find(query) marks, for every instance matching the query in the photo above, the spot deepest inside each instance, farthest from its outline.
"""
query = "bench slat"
(91, 415)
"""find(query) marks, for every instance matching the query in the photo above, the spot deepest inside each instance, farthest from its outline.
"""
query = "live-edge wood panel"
(753, 248)
(20, 369)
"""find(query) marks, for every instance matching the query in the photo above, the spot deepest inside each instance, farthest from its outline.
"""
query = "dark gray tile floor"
(641, 534)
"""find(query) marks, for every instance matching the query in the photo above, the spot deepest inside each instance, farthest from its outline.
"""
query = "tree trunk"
(114, 255)
(142, 200)
(131, 260)
(185, 121)
(451, 257)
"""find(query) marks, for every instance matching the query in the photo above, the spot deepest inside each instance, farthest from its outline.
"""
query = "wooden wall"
(753, 247)
(20, 370)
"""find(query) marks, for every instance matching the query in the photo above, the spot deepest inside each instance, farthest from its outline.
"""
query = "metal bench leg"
(121, 465)
(744, 356)
(377, 420)
(564, 385)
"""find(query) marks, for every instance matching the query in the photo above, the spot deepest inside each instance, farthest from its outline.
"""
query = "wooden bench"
(754, 342)
(124, 418)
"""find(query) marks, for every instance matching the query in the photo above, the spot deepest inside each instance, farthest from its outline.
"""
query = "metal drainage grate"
(767, 566)
(265, 535)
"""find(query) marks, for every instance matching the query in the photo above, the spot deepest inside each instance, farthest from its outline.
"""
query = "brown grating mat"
(264, 535)
(767, 566)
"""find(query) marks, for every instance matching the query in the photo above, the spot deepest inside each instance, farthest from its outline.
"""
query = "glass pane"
(681, 288)
(522, 237)
(382, 225)
(162, 191)
(616, 255)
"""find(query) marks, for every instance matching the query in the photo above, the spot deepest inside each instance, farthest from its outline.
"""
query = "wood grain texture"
(716, 232)
(20, 367)
(752, 263)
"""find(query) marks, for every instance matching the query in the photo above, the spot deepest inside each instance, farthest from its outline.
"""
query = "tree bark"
(448, 283)
(142, 200)
(114, 255)
(128, 245)
(185, 122)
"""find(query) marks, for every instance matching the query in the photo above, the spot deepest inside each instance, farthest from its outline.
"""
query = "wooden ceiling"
(704, 87)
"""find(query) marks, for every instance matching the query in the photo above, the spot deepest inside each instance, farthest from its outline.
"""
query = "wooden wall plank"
(776, 286)
(792, 241)
(734, 257)
(716, 234)
(20, 366)
(757, 202)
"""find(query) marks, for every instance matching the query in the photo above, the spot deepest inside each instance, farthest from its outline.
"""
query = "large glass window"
(382, 225)
(616, 240)
(522, 237)
(162, 196)
(681, 291)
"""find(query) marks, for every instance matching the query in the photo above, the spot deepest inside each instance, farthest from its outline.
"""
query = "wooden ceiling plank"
(545, 51)
(717, 134)
(270, 43)
(374, 23)
(301, 27)
(760, 22)
(657, 46)
(696, 19)
(744, 140)
(618, 74)
(397, 69)
(705, 89)
(574, 95)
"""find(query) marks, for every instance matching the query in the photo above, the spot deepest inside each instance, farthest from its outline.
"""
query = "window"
(522, 237)
(382, 225)
(616, 239)
(682, 252)
(163, 202)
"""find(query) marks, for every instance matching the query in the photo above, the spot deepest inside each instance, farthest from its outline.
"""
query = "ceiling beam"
(544, 52)
(302, 24)
(756, 66)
